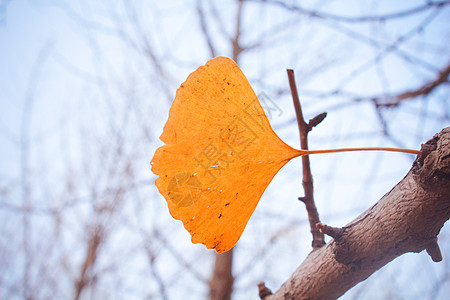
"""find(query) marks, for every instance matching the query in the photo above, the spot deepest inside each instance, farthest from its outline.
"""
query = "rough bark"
(407, 219)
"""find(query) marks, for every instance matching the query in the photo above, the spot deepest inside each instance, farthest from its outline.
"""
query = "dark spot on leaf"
(226, 204)
(220, 216)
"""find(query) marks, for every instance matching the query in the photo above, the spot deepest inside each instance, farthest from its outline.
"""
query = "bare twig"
(204, 27)
(389, 48)
(313, 215)
(368, 18)
(237, 49)
(424, 90)
(151, 256)
(25, 146)
(89, 261)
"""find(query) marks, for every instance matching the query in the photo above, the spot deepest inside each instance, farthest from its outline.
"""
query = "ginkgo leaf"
(220, 154)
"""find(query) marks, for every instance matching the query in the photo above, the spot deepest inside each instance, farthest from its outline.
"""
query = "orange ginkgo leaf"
(220, 154)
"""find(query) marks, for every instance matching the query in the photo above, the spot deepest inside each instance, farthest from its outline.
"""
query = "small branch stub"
(434, 251)
(334, 232)
(263, 290)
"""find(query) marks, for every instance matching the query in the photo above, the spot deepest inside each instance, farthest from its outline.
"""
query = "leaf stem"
(308, 152)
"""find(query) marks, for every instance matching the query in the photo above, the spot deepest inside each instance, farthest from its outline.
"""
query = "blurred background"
(85, 90)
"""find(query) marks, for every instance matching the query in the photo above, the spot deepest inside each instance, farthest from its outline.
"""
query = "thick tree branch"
(407, 219)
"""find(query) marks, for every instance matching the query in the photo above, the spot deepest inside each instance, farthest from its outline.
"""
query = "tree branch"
(406, 219)
(367, 18)
(235, 41)
(424, 90)
(89, 261)
(308, 199)
(221, 284)
(204, 28)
